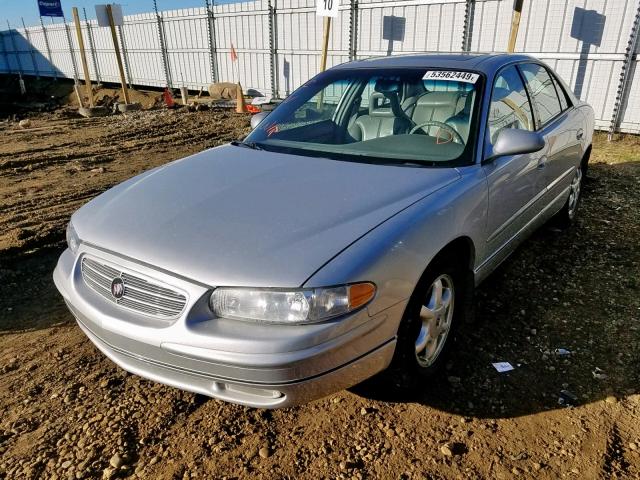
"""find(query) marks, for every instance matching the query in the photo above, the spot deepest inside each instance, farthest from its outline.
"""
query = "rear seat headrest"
(436, 99)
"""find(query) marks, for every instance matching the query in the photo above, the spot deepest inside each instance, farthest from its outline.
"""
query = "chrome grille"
(140, 295)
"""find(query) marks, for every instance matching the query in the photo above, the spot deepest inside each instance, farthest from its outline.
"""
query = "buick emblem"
(117, 288)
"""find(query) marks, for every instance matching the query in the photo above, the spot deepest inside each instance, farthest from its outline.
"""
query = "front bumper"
(258, 365)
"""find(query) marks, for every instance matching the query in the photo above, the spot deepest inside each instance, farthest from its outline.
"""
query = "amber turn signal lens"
(360, 293)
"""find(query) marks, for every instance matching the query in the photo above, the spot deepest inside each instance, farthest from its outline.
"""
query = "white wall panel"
(593, 69)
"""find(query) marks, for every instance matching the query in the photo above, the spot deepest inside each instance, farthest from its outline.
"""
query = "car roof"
(486, 63)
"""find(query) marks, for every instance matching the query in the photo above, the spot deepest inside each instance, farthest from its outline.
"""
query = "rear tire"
(565, 217)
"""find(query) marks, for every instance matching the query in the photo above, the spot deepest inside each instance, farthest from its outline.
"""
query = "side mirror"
(257, 118)
(512, 141)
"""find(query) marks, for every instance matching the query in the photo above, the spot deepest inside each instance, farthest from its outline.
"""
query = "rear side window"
(543, 92)
(564, 104)
(510, 107)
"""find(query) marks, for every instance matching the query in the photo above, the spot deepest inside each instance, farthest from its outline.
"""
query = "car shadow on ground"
(563, 310)
(575, 290)
(29, 299)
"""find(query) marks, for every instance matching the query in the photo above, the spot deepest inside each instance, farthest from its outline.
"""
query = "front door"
(516, 183)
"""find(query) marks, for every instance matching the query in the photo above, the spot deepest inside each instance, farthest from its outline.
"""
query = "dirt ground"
(68, 412)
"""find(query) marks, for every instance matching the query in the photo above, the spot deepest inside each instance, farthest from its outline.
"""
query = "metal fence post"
(211, 32)
(15, 49)
(622, 95)
(469, 10)
(92, 46)
(273, 52)
(353, 30)
(31, 49)
(73, 57)
(46, 43)
(125, 58)
(163, 49)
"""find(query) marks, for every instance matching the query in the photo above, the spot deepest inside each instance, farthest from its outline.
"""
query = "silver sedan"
(341, 240)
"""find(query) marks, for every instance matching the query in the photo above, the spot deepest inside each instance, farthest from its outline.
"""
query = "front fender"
(395, 254)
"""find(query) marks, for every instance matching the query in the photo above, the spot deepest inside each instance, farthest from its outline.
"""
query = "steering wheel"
(434, 123)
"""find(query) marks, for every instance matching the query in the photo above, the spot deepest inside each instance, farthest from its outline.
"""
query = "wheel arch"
(461, 250)
(584, 162)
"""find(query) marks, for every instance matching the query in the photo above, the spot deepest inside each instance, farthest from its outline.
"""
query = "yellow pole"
(325, 43)
(323, 58)
(515, 25)
(83, 56)
(123, 82)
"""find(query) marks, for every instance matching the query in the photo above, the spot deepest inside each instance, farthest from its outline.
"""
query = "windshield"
(396, 115)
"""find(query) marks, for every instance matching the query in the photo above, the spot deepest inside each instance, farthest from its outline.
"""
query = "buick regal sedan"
(342, 239)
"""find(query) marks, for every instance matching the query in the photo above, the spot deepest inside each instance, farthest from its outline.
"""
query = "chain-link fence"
(593, 45)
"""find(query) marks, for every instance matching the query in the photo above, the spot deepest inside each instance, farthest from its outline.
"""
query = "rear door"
(515, 182)
(559, 124)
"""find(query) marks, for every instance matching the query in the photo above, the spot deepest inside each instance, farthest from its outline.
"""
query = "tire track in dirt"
(66, 410)
(615, 465)
(74, 160)
(619, 460)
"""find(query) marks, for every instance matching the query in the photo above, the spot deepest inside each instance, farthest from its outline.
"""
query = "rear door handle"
(579, 134)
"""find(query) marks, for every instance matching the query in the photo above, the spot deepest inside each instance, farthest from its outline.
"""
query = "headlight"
(289, 306)
(73, 241)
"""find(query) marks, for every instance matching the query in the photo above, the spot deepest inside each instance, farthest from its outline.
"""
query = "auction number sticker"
(452, 75)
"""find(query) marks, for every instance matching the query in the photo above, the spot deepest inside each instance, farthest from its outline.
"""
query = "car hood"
(241, 217)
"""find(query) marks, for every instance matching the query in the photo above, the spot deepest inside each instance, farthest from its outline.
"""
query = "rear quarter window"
(562, 95)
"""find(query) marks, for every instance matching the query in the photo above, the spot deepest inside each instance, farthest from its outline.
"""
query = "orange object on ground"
(168, 98)
(253, 109)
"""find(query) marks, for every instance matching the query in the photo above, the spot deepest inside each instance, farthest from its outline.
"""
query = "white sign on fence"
(327, 8)
(103, 18)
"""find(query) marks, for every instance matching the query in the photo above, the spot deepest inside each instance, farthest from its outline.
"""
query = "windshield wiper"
(408, 163)
(251, 145)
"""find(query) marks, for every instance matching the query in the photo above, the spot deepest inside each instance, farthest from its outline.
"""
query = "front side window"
(381, 115)
(542, 91)
(510, 107)
(318, 109)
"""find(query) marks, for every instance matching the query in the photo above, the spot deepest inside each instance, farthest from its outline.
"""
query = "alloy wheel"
(436, 315)
(574, 192)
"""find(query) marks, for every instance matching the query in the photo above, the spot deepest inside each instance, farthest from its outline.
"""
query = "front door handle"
(579, 134)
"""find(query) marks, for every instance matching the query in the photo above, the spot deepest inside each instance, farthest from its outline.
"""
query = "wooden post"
(323, 58)
(76, 88)
(325, 43)
(83, 57)
(515, 25)
(114, 37)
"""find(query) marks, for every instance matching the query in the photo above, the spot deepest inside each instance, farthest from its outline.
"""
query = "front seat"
(381, 121)
(438, 106)
(461, 121)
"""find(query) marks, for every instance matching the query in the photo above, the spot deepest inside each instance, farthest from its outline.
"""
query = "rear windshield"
(418, 115)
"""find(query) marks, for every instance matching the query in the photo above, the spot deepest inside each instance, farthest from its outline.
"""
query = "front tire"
(437, 307)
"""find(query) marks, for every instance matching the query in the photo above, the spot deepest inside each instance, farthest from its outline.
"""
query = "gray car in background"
(343, 238)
